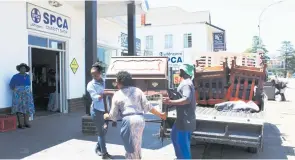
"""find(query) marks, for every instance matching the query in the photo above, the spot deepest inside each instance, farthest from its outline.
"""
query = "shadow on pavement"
(56, 129)
(151, 138)
(118, 157)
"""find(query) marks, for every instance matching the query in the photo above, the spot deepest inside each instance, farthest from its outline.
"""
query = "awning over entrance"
(113, 8)
(102, 9)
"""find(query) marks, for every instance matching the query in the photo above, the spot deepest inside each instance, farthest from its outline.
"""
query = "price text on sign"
(176, 79)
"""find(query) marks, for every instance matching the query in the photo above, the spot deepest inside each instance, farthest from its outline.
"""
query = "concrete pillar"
(88, 126)
(131, 23)
(90, 44)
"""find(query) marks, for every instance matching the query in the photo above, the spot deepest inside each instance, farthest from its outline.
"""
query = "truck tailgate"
(211, 114)
(232, 128)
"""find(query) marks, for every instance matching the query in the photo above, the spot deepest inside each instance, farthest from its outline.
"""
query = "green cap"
(188, 69)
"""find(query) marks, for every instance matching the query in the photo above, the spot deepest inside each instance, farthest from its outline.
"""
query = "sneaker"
(98, 150)
(106, 156)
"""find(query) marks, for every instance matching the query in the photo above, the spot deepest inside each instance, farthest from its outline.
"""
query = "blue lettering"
(52, 19)
(173, 59)
(59, 22)
(179, 60)
(46, 18)
(65, 26)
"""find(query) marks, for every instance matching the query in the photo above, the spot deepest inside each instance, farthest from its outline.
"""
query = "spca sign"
(44, 20)
(174, 59)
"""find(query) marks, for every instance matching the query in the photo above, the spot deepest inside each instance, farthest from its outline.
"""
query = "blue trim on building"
(147, 4)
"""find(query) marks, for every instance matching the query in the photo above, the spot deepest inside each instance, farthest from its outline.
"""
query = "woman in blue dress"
(22, 98)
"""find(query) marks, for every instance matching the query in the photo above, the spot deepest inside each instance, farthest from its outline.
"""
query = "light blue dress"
(22, 98)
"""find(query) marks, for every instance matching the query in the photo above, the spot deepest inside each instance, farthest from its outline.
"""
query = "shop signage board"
(218, 41)
(44, 20)
(176, 79)
(175, 59)
(74, 65)
(124, 42)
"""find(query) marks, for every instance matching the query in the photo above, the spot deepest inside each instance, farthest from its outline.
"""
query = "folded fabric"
(237, 106)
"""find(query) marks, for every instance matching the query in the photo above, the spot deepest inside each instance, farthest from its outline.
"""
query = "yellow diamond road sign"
(74, 65)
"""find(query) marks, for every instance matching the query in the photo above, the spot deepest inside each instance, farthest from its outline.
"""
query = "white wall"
(14, 44)
(108, 32)
(199, 38)
(175, 15)
(75, 48)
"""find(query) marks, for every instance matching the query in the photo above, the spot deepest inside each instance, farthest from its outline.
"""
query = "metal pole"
(259, 22)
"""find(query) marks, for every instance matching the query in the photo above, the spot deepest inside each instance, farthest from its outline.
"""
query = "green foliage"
(288, 54)
(258, 45)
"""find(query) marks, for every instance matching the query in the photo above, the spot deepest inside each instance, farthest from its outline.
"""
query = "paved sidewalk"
(59, 137)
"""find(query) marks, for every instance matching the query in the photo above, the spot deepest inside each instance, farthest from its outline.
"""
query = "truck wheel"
(252, 150)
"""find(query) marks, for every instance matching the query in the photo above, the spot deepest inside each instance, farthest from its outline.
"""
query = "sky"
(240, 20)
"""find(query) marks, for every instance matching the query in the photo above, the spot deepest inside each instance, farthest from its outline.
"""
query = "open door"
(62, 84)
(30, 73)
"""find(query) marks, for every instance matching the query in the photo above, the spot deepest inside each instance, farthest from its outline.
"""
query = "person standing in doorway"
(96, 88)
(185, 122)
(53, 104)
(22, 98)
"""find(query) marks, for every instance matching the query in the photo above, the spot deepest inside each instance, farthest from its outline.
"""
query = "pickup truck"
(230, 128)
(243, 129)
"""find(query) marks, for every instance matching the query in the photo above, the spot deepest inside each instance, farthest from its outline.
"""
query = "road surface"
(59, 137)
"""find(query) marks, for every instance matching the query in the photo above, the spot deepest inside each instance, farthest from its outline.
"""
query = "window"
(104, 56)
(38, 41)
(149, 42)
(169, 41)
(187, 38)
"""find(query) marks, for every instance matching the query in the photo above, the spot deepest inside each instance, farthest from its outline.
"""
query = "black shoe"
(98, 150)
(21, 127)
(106, 156)
(27, 126)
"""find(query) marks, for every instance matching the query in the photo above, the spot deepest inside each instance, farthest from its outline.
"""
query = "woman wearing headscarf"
(22, 98)
(130, 103)
(185, 105)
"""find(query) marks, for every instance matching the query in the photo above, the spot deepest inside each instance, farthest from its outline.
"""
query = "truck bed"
(211, 114)
(231, 128)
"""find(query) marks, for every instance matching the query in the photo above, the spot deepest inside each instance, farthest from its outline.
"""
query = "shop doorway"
(48, 80)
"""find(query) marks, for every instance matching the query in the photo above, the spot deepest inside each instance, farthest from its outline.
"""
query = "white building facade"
(39, 31)
(178, 34)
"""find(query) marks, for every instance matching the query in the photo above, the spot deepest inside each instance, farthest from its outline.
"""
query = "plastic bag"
(278, 98)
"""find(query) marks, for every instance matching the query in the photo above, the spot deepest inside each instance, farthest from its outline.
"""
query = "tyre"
(252, 150)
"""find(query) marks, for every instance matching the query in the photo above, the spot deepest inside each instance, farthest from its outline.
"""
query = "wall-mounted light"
(54, 3)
